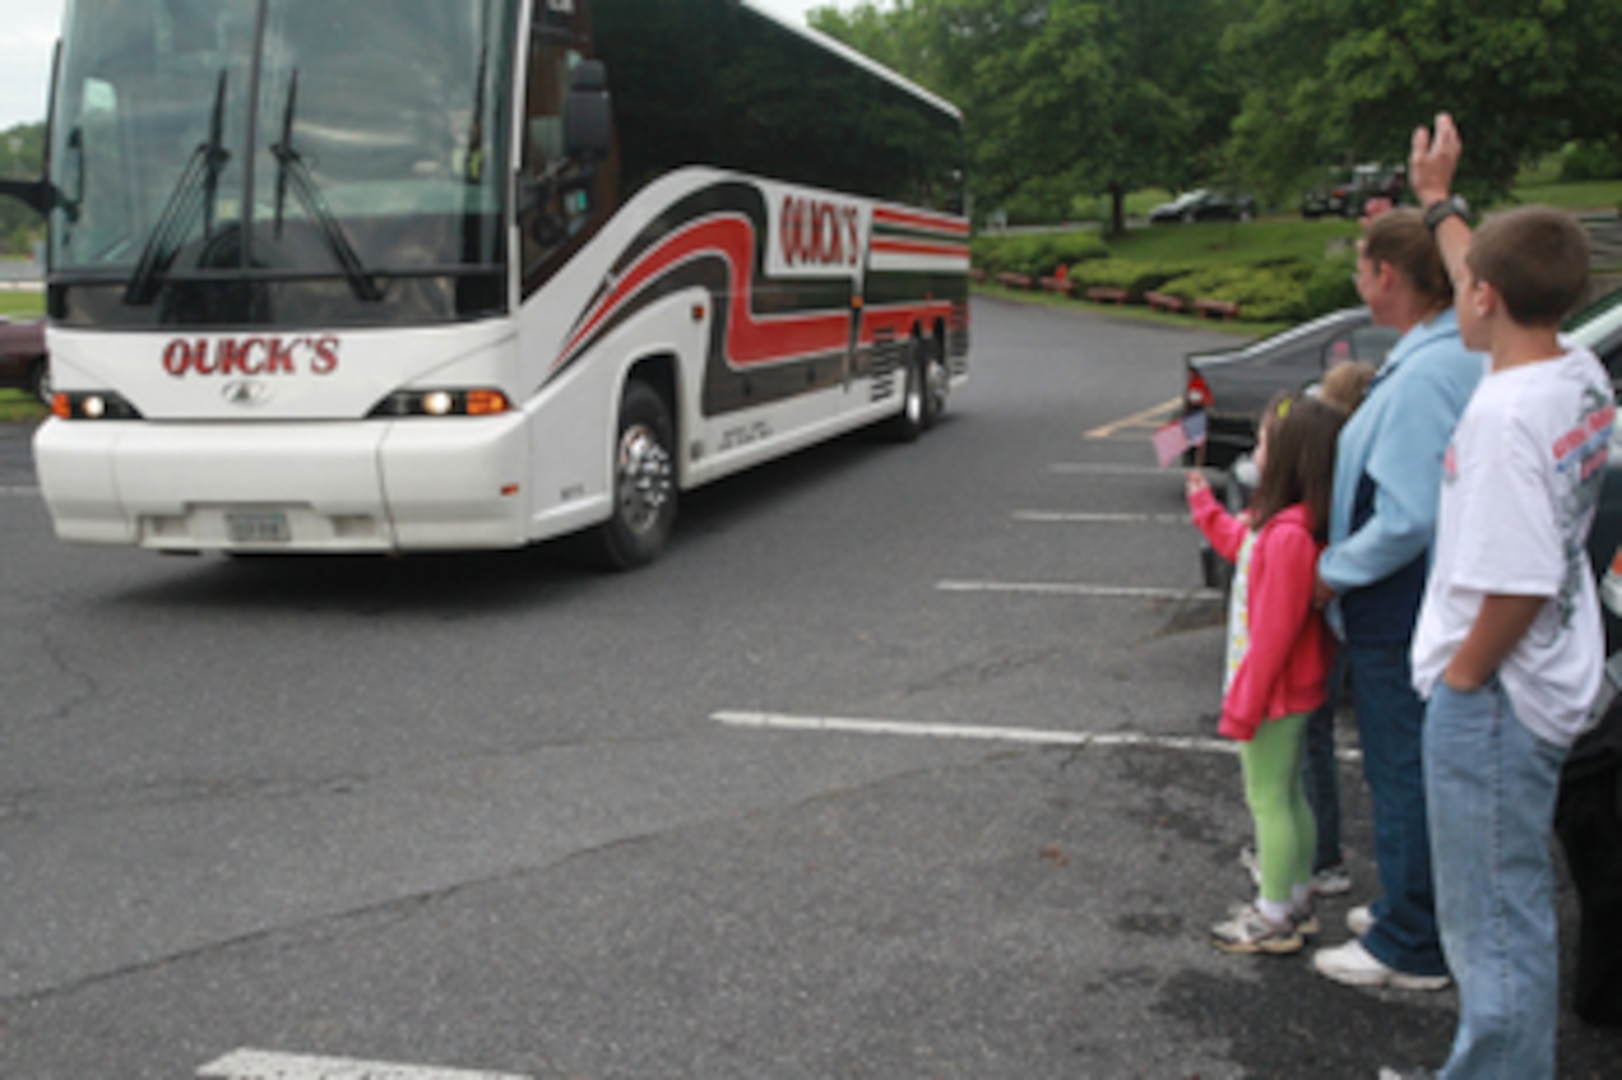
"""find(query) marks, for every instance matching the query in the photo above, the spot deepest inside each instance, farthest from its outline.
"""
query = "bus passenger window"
(555, 201)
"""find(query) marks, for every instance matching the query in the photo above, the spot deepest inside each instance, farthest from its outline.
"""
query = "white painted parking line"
(844, 725)
(268, 1065)
(1031, 736)
(1058, 517)
(1083, 589)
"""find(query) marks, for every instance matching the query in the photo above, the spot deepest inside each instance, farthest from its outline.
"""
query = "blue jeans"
(1390, 726)
(1320, 772)
(1492, 787)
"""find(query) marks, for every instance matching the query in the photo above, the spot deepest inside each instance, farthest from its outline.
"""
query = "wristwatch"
(1442, 209)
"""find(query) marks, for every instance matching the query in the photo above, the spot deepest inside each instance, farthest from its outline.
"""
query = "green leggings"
(1285, 830)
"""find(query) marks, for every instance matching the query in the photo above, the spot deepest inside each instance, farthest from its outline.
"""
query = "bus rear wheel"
(915, 416)
(937, 382)
(644, 506)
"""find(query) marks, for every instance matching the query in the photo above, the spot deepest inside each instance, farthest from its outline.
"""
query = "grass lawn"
(19, 406)
(22, 305)
(1594, 195)
(1224, 243)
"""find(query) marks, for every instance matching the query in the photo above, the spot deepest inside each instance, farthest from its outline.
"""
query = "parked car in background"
(1232, 386)
(23, 363)
(1203, 204)
(1345, 196)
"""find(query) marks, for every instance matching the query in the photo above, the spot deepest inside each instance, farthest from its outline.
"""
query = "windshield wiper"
(193, 196)
(291, 169)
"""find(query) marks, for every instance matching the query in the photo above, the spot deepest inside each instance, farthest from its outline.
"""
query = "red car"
(23, 363)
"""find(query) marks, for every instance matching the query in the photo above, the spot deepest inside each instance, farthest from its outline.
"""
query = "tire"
(39, 379)
(644, 483)
(937, 381)
(914, 418)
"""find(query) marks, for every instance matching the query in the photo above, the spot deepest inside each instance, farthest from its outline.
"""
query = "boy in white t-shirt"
(1509, 647)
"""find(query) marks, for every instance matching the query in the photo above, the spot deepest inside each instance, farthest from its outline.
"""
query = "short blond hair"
(1345, 384)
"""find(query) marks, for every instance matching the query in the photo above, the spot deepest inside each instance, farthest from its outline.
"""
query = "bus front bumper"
(379, 486)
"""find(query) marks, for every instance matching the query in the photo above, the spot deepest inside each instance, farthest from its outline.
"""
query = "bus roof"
(839, 48)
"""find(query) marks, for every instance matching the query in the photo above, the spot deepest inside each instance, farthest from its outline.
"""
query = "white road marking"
(844, 725)
(1077, 588)
(268, 1065)
(19, 492)
(1034, 736)
(1054, 517)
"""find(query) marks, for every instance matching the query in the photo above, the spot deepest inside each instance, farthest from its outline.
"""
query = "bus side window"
(557, 195)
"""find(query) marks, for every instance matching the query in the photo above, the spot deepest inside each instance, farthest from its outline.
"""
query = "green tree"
(1066, 96)
(1335, 81)
(22, 157)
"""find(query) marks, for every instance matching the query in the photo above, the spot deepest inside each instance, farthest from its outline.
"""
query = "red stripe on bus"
(899, 319)
(748, 340)
(916, 219)
(917, 247)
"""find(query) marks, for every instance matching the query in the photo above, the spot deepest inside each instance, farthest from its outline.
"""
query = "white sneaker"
(1249, 931)
(1352, 965)
(1332, 881)
(1360, 920)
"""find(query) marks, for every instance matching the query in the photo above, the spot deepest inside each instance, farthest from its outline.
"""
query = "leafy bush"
(1136, 278)
(1036, 254)
(1263, 293)
(1330, 287)
(1590, 161)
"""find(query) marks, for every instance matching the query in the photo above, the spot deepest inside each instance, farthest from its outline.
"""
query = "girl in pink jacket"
(1278, 657)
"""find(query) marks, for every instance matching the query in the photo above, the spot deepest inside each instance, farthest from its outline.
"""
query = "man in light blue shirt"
(1387, 483)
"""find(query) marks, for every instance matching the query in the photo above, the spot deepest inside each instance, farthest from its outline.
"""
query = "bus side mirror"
(36, 193)
(588, 113)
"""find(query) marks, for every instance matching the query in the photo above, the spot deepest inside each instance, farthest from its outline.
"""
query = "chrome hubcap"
(938, 386)
(645, 480)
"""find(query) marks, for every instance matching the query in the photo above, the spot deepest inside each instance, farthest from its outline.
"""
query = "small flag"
(1177, 436)
(1194, 428)
(1170, 442)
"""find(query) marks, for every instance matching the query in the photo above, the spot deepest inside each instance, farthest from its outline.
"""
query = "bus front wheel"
(644, 510)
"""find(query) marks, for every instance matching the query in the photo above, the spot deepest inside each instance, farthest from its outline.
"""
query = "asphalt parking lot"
(899, 765)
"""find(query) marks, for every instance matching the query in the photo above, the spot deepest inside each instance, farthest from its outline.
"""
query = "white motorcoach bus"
(395, 275)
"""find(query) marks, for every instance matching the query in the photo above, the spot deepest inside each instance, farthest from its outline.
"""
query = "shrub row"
(1285, 290)
(1035, 254)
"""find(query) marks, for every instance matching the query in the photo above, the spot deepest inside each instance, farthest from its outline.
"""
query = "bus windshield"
(276, 162)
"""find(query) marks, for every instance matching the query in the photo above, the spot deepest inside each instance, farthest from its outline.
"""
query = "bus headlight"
(478, 402)
(92, 405)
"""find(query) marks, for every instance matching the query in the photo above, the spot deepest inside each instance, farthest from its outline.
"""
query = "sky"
(29, 28)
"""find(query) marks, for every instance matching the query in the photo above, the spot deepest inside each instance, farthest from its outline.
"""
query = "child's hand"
(1195, 482)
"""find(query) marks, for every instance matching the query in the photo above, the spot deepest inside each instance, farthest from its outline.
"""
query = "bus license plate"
(268, 527)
